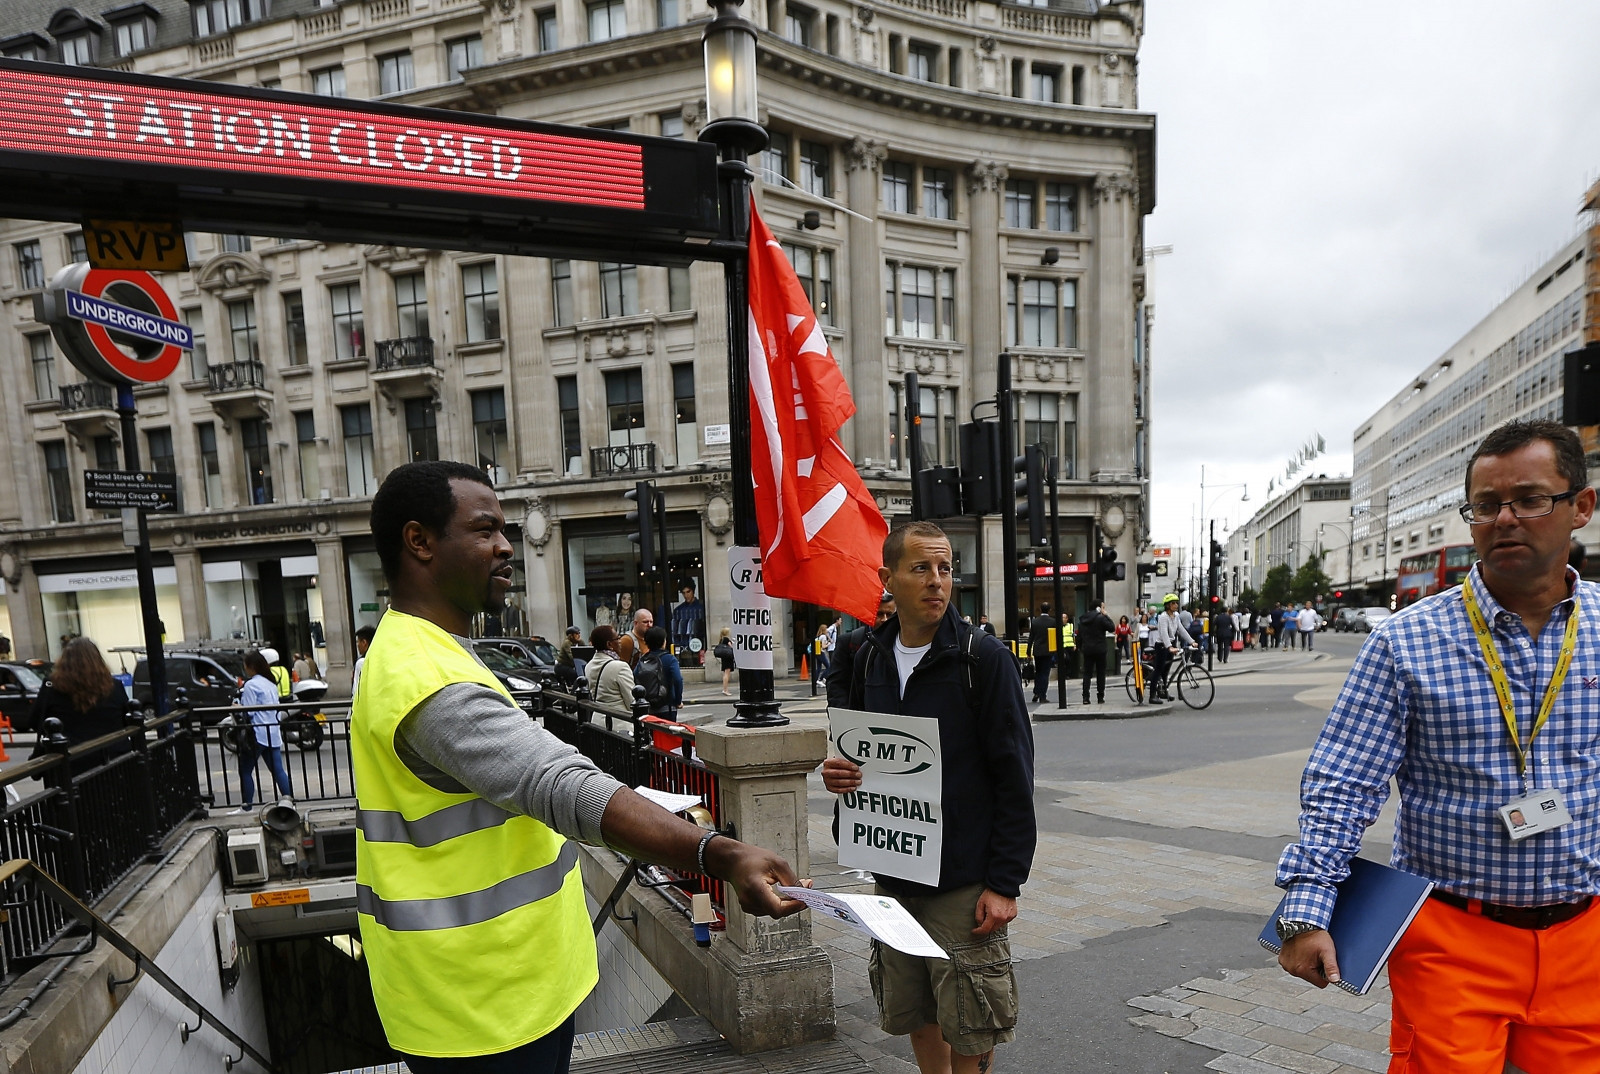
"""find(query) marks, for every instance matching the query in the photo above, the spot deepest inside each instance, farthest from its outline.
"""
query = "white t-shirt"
(1307, 619)
(906, 659)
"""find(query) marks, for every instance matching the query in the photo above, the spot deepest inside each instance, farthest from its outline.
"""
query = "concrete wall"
(630, 991)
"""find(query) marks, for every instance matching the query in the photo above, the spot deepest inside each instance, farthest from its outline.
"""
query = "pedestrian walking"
(84, 696)
(724, 653)
(1222, 636)
(1124, 637)
(1306, 620)
(474, 929)
(1465, 701)
(259, 734)
(1288, 627)
(1039, 630)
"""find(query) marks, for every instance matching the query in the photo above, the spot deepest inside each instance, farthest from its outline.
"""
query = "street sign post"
(147, 490)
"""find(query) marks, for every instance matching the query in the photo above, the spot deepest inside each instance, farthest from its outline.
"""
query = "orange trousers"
(1470, 994)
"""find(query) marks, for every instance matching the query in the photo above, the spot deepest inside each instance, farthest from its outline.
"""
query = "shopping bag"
(1238, 645)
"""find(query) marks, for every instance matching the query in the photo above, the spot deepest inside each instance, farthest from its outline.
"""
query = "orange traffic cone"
(805, 669)
(6, 731)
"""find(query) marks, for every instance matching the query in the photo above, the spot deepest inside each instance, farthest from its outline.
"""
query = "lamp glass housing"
(730, 51)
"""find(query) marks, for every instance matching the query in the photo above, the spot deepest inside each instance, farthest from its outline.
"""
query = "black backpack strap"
(858, 672)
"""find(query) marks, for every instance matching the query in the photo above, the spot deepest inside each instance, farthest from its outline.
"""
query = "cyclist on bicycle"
(1165, 634)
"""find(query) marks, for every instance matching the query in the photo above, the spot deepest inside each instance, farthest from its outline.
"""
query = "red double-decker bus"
(1425, 573)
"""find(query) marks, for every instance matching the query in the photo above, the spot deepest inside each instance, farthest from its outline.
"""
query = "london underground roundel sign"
(115, 325)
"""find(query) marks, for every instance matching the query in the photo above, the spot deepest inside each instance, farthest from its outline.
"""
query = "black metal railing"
(409, 352)
(237, 376)
(622, 459)
(87, 395)
(316, 753)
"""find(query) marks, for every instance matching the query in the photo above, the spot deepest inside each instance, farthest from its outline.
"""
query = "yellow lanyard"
(1502, 686)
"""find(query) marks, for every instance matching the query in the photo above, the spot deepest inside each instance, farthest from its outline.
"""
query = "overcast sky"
(1347, 188)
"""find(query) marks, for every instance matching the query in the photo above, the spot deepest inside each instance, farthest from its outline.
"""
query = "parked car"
(19, 686)
(515, 673)
(1369, 618)
(209, 680)
(1345, 618)
(535, 651)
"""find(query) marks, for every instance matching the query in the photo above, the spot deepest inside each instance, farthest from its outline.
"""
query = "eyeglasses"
(1482, 512)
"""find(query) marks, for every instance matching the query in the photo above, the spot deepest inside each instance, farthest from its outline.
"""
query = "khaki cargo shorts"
(972, 996)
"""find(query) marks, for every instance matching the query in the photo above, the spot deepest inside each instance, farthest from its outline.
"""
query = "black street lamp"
(730, 53)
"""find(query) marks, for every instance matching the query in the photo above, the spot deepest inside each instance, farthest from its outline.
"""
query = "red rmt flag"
(821, 531)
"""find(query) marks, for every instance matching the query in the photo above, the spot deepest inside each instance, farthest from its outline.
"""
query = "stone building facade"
(951, 178)
(1299, 522)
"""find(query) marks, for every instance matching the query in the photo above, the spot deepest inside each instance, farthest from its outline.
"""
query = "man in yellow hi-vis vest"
(470, 900)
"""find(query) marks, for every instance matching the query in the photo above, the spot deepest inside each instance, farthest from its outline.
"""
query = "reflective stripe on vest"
(457, 911)
(463, 818)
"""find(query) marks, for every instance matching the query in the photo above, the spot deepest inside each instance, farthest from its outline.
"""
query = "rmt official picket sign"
(116, 326)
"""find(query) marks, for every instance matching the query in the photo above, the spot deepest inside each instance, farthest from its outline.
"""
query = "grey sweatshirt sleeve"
(468, 737)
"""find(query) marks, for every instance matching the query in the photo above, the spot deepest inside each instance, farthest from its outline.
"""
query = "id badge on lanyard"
(1538, 810)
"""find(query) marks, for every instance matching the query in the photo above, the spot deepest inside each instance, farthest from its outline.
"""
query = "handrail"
(20, 868)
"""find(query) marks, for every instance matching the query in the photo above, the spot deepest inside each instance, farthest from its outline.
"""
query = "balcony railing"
(88, 395)
(622, 459)
(237, 376)
(410, 352)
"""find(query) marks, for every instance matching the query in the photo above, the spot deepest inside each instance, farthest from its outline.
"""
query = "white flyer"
(879, 916)
(893, 824)
(672, 803)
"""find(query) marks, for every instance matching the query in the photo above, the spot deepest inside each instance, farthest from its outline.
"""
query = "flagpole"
(729, 43)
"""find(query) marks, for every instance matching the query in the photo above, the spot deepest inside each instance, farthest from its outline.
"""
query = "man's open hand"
(753, 871)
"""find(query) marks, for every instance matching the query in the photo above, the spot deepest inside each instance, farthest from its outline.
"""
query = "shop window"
(242, 330)
(814, 269)
(349, 327)
(571, 425)
(619, 290)
(411, 305)
(30, 265)
(395, 74)
(43, 360)
(688, 428)
(481, 291)
(360, 470)
(257, 459)
(463, 54)
(305, 434)
(294, 328)
(199, 361)
(422, 430)
(489, 433)
(58, 480)
(625, 407)
(210, 462)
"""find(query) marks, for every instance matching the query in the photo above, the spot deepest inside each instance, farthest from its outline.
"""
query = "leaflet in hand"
(672, 803)
(879, 916)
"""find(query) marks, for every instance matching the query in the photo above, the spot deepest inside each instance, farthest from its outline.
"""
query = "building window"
(30, 265)
(242, 330)
(625, 407)
(210, 462)
(199, 362)
(815, 169)
(58, 479)
(897, 180)
(678, 292)
(672, 124)
(77, 247)
(775, 160)
(294, 328)
(28, 50)
(44, 366)
(257, 459)
(799, 24)
(1077, 84)
(667, 13)
(422, 430)
(395, 74)
(220, 16)
(954, 60)
(814, 268)
(462, 54)
(686, 426)
(159, 444)
(922, 61)
(561, 292)
(349, 329)
(234, 244)
(619, 290)
(411, 305)
(549, 40)
(607, 19)
(1041, 312)
(305, 435)
(1050, 420)
(571, 426)
(1019, 203)
(328, 81)
(481, 291)
(489, 433)
(919, 301)
(940, 418)
(1061, 207)
(105, 458)
(938, 194)
(356, 423)
(1046, 82)
(78, 50)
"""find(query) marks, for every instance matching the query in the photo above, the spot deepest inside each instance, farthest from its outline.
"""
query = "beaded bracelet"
(700, 851)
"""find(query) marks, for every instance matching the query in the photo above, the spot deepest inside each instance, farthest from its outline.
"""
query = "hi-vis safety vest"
(473, 919)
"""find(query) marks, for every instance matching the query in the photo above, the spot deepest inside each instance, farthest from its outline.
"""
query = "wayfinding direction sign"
(113, 490)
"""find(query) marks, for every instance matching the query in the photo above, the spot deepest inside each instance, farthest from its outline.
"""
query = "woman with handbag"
(724, 652)
(258, 733)
(84, 696)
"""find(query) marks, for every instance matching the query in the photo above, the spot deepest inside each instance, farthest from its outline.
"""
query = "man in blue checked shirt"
(1483, 703)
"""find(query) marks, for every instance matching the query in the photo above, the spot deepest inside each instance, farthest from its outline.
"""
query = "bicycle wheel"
(1195, 686)
(1128, 685)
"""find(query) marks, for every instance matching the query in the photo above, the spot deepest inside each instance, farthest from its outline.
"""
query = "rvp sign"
(893, 825)
(119, 327)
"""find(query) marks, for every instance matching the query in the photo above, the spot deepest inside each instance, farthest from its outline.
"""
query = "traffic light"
(1107, 567)
(643, 516)
(939, 491)
(980, 468)
(1030, 486)
(1338, 594)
